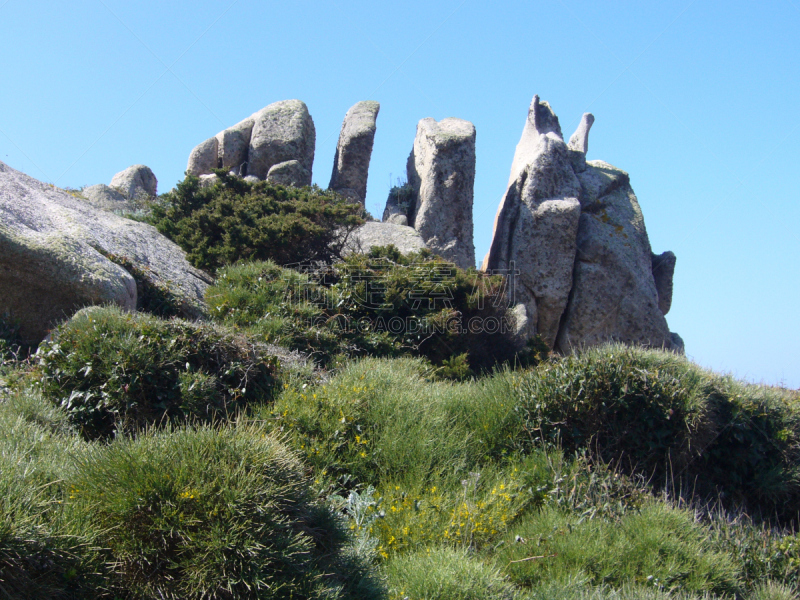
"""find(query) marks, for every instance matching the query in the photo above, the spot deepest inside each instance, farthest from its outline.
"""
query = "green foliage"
(213, 513)
(112, 369)
(657, 413)
(235, 220)
(383, 304)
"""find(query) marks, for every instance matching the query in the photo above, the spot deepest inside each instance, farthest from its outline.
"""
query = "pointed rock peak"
(580, 139)
(542, 117)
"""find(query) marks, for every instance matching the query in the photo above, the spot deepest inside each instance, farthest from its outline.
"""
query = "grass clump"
(381, 304)
(220, 512)
(443, 572)
(659, 546)
(41, 553)
(235, 220)
(111, 369)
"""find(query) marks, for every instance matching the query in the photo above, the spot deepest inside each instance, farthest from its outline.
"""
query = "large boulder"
(534, 239)
(282, 131)
(354, 150)
(614, 294)
(374, 233)
(441, 173)
(58, 254)
(279, 133)
(204, 157)
(135, 182)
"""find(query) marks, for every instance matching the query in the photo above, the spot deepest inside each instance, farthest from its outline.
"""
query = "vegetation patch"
(111, 370)
(235, 220)
(659, 414)
(213, 513)
(381, 304)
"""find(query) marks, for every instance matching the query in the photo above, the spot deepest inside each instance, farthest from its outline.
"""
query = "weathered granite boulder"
(233, 146)
(278, 133)
(103, 196)
(614, 295)
(282, 131)
(291, 172)
(663, 271)
(534, 239)
(354, 150)
(374, 233)
(135, 182)
(54, 257)
(204, 157)
(441, 173)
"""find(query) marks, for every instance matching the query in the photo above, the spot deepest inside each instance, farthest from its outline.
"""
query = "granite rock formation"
(534, 239)
(354, 150)
(135, 182)
(437, 201)
(280, 133)
(55, 257)
(374, 233)
(570, 234)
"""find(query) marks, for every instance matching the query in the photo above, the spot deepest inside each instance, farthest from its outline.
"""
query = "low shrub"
(657, 413)
(235, 220)
(112, 369)
(220, 512)
(381, 304)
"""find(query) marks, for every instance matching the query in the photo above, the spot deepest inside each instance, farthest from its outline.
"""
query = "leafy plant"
(108, 369)
(381, 304)
(235, 220)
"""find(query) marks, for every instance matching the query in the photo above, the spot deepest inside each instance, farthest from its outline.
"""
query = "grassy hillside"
(619, 473)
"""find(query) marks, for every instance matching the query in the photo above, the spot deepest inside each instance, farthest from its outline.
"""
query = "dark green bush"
(235, 220)
(108, 368)
(657, 413)
(219, 512)
(381, 304)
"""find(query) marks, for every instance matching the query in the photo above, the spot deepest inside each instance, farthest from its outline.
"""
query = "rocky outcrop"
(279, 133)
(534, 239)
(373, 234)
(570, 234)
(58, 253)
(614, 295)
(441, 173)
(282, 131)
(663, 271)
(354, 150)
(135, 182)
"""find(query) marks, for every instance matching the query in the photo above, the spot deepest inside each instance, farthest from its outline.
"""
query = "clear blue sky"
(697, 100)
